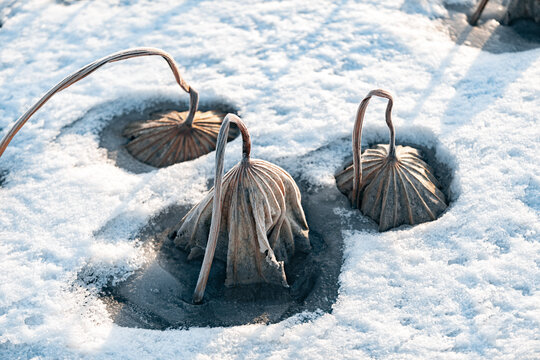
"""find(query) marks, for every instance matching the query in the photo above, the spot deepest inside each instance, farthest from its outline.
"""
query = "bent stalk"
(217, 204)
(90, 68)
(357, 140)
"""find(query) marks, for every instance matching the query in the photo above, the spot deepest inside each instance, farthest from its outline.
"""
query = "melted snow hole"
(158, 296)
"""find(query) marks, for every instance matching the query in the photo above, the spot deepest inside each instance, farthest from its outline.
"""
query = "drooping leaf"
(392, 185)
(169, 139)
(252, 219)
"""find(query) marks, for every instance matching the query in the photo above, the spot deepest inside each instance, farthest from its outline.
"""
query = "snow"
(466, 286)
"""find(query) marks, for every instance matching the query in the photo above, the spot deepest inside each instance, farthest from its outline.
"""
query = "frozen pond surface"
(158, 296)
(465, 286)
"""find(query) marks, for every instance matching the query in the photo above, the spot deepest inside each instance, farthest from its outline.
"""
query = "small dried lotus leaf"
(262, 224)
(395, 190)
(169, 139)
(392, 185)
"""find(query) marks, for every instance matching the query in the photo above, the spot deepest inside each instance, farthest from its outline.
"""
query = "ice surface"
(466, 286)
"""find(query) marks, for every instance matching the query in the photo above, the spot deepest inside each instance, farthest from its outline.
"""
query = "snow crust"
(466, 286)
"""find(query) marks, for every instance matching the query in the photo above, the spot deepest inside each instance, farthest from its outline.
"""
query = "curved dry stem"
(90, 68)
(357, 139)
(218, 200)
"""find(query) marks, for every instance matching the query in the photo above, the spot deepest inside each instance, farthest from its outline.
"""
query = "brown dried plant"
(252, 219)
(392, 185)
(174, 138)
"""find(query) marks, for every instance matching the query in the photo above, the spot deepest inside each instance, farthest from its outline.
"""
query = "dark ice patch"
(159, 295)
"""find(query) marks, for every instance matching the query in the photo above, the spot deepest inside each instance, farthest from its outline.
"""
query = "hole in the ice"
(159, 295)
(439, 159)
(496, 31)
(113, 139)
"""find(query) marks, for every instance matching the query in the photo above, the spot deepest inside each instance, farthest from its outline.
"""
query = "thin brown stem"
(357, 140)
(90, 68)
(217, 204)
(476, 15)
(246, 139)
(193, 104)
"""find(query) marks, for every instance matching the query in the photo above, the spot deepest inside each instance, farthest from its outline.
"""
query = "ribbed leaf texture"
(262, 224)
(168, 140)
(395, 190)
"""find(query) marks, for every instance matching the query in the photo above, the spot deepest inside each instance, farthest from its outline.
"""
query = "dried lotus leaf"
(400, 190)
(392, 185)
(257, 226)
(522, 10)
(170, 139)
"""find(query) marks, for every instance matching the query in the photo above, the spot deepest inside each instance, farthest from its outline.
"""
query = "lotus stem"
(90, 68)
(357, 140)
(218, 200)
(476, 15)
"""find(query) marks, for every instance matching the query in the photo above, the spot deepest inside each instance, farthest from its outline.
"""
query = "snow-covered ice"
(466, 286)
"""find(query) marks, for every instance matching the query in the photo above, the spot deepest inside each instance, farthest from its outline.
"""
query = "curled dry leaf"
(174, 138)
(522, 10)
(392, 185)
(170, 138)
(252, 219)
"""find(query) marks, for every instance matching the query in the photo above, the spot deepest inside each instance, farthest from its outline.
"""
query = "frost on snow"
(465, 286)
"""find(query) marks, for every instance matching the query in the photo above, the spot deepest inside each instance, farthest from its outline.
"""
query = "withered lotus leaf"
(392, 185)
(252, 219)
(174, 138)
(170, 138)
